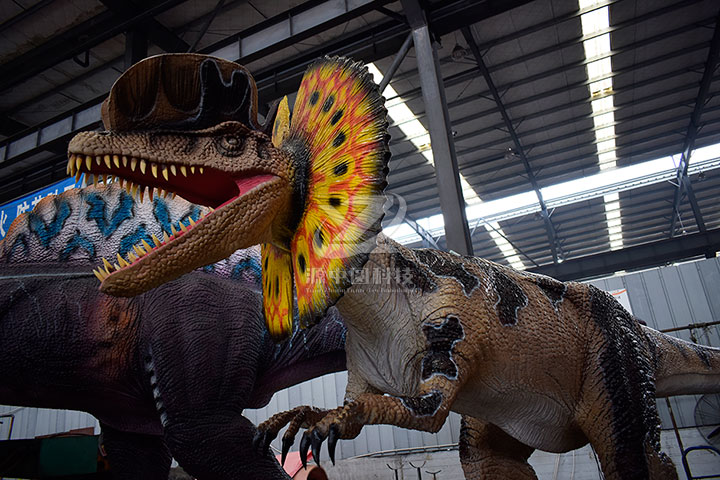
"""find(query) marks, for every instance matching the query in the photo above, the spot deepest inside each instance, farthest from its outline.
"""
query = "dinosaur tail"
(683, 368)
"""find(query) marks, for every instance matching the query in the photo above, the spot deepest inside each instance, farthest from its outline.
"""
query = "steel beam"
(136, 47)
(641, 256)
(74, 41)
(399, 57)
(452, 203)
(682, 180)
(519, 150)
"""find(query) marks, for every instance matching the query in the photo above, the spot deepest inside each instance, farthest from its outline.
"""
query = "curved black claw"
(304, 446)
(286, 444)
(316, 440)
(332, 441)
(258, 439)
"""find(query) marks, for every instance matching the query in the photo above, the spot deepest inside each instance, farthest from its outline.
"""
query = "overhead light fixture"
(458, 52)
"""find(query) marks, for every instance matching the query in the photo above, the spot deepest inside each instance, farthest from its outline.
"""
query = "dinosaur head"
(312, 195)
(186, 124)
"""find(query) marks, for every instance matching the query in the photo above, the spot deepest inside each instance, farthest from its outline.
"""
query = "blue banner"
(10, 211)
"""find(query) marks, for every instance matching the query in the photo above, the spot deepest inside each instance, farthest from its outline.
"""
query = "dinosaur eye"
(230, 145)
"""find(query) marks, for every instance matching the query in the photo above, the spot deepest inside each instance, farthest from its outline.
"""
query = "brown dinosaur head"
(312, 195)
(187, 124)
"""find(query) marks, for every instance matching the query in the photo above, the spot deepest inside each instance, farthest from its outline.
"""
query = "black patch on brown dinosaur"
(554, 290)
(441, 266)
(425, 405)
(626, 370)
(441, 339)
(511, 297)
(412, 276)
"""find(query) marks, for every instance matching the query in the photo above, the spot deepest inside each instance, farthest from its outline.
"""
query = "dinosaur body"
(167, 372)
(529, 362)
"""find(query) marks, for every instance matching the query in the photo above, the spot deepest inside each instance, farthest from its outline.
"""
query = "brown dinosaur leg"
(486, 452)
(621, 441)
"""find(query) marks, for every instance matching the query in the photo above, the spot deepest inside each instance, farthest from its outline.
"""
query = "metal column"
(452, 203)
(136, 47)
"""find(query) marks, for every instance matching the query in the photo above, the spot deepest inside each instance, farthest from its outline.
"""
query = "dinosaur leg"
(133, 456)
(218, 447)
(488, 452)
(626, 446)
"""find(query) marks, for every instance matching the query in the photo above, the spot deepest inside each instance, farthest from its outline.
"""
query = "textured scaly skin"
(530, 363)
(167, 372)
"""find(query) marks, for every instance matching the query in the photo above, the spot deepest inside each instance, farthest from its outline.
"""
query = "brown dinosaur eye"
(230, 145)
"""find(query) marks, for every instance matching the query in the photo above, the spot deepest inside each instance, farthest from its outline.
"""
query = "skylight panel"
(416, 133)
(599, 73)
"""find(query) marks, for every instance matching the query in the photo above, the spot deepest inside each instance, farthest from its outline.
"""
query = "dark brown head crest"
(181, 92)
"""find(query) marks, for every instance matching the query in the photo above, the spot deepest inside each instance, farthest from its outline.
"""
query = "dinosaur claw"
(332, 441)
(316, 442)
(304, 446)
(267, 440)
(286, 444)
(257, 440)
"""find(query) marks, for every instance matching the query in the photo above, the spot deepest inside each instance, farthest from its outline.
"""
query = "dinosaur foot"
(334, 425)
(297, 418)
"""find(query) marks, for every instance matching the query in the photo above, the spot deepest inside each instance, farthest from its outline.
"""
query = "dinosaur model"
(168, 372)
(528, 361)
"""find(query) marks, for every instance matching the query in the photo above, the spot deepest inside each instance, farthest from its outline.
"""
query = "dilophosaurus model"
(168, 372)
(529, 362)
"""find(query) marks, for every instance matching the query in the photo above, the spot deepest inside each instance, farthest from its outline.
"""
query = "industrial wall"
(666, 297)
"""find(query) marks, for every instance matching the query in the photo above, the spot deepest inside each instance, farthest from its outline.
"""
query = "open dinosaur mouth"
(201, 185)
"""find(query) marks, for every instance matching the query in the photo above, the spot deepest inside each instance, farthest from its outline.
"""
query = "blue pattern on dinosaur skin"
(97, 212)
(127, 242)
(162, 215)
(249, 264)
(78, 241)
(47, 231)
(21, 240)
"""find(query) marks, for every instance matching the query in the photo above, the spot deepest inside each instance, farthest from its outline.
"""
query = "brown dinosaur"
(529, 362)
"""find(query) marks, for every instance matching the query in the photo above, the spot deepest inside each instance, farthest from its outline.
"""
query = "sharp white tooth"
(135, 190)
(165, 173)
(128, 187)
(211, 209)
(132, 257)
(121, 181)
(173, 195)
(88, 162)
(140, 252)
(98, 275)
(192, 222)
(182, 227)
(133, 163)
(95, 180)
(116, 161)
(124, 160)
(183, 170)
(151, 193)
(192, 169)
(153, 169)
(165, 193)
(142, 194)
(173, 170)
(122, 261)
(146, 245)
(117, 267)
(160, 192)
(77, 176)
(98, 160)
(166, 237)
(143, 165)
(107, 161)
(155, 240)
(78, 162)
(173, 230)
(202, 170)
(70, 164)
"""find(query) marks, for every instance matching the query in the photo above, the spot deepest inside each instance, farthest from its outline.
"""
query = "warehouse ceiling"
(583, 129)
